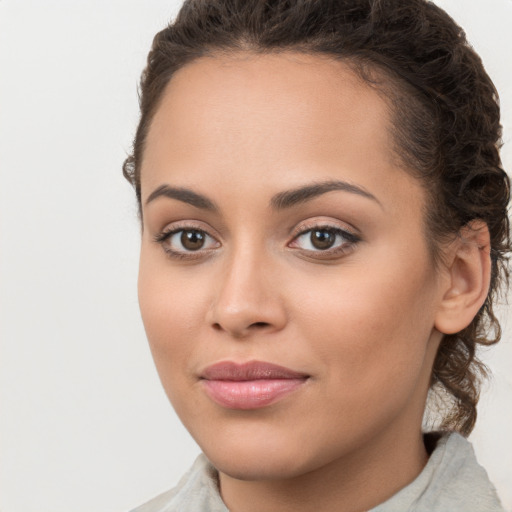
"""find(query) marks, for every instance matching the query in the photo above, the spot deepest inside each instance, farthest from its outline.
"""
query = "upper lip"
(252, 370)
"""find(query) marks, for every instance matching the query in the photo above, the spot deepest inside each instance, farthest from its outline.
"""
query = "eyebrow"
(280, 201)
(184, 195)
(301, 195)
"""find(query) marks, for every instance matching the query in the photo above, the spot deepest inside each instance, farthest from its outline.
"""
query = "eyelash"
(349, 243)
(351, 240)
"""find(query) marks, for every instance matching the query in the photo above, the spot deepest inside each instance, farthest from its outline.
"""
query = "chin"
(258, 467)
(268, 458)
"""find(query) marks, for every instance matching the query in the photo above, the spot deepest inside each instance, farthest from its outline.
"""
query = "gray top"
(452, 481)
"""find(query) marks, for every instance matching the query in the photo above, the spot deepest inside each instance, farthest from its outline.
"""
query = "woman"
(324, 233)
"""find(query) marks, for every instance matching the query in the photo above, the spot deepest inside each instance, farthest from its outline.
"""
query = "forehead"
(285, 77)
(284, 116)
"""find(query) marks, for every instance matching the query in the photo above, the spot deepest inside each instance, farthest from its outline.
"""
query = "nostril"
(259, 324)
(244, 331)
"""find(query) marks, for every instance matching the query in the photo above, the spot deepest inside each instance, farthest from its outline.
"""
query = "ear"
(468, 278)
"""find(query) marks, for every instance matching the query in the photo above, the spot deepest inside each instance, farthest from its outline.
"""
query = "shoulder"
(452, 480)
(197, 491)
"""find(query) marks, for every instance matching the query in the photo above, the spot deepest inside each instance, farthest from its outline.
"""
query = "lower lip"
(250, 394)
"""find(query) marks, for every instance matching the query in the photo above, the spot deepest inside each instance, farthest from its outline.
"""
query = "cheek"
(370, 342)
(369, 325)
(171, 309)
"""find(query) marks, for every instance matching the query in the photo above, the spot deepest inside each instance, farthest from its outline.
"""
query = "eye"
(182, 242)
(325, 239)
(192, 240)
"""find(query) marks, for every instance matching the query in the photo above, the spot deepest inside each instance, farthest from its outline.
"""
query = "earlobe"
(469, 273)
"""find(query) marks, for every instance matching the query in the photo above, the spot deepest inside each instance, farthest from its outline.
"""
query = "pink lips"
(250, 385)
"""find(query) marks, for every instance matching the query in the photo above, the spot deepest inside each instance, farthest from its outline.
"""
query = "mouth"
(250, 385)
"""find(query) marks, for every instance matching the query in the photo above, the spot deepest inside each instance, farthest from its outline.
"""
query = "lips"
(250, 385)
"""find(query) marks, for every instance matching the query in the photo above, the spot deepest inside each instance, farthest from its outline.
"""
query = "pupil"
(322, 239)
(192, 240)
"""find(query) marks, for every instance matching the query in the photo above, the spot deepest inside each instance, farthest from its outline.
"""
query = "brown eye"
(326, 240)
(322, 238)
(192, 240)
(181, 242)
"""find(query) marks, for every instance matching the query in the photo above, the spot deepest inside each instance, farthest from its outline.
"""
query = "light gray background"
(84, 424)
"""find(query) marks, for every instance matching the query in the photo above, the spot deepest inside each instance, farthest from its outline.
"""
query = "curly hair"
(445, 125)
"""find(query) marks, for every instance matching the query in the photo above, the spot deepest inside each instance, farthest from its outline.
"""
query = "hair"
(445, 125)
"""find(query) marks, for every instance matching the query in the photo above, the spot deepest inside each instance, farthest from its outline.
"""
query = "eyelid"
(311, 224)
(183, 225)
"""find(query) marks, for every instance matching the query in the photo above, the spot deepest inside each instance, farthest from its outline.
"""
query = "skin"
(364, 324)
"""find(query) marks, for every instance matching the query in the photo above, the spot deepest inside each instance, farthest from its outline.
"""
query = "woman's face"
(280, 230)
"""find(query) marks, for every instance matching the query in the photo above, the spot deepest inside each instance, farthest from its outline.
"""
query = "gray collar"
(451, 481)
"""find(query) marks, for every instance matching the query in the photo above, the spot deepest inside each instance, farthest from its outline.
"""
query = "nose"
(247, 300)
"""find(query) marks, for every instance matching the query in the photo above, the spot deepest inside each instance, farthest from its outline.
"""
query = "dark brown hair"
(446, 123)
